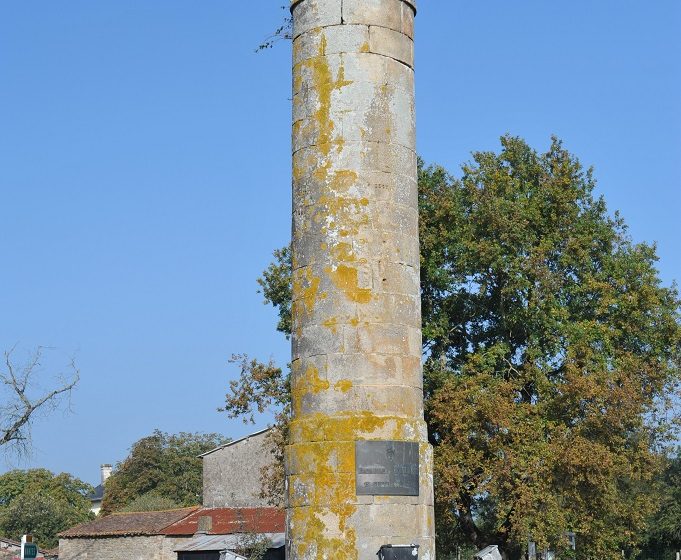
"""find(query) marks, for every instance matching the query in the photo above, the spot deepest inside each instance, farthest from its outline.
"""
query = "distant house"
(234, 517)
(10, 549)
(97, 495)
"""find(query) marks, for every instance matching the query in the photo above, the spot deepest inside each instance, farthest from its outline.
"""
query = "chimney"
(106, 472)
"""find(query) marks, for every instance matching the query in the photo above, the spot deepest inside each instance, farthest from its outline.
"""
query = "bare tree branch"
(283, 32)
(21, 398)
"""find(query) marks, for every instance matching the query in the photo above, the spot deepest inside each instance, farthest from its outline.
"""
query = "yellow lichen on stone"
(324, 85)
(346, 279)
(322, 495)
(313, 383)
(356, 359)
(345, 210)
(305, 290)
(321, 499)
(344, 385)
(331, 324)
(308, 384)
(344, 179)
(342, 252)
(354, 425)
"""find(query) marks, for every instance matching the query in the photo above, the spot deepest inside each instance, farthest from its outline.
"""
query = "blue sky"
(145, 176)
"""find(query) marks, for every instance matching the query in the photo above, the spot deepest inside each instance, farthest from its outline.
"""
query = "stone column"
(356, 344)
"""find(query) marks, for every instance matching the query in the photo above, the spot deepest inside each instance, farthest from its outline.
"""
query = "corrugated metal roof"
(204, 543)
(225, 521)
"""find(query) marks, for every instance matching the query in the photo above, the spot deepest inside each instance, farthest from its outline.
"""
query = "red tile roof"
(226, 521)
(128, 524)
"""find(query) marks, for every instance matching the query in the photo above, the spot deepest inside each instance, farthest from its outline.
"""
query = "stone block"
(321, 457)
(389, 305)
(380, 519)
(321, 489)
(381, 399)
(331, 40)
(314, 340)
(387, 158)
(345, 370)
(397, 279)
(391, 43)
(402, 219)
(382, 338)
(408, 13)
(309, 15)
(385, 13)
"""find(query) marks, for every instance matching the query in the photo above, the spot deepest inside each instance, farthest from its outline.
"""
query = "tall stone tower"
(359, 468)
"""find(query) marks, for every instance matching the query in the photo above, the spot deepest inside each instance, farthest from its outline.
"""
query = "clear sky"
(145, 176)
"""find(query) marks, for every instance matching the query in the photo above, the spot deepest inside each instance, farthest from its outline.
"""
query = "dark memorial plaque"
(387, 468)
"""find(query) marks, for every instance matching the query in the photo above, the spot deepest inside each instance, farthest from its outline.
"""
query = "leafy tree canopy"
(150, 501)
(160, 465)
(664, 529)
(552, 352)
(40, 503)
(552, 345)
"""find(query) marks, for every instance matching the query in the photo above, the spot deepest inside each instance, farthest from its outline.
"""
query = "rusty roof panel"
(226, 521)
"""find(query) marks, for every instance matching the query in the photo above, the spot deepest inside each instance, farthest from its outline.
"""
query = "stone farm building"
(233, 518)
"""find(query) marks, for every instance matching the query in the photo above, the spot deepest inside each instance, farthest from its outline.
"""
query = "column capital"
(410, 3)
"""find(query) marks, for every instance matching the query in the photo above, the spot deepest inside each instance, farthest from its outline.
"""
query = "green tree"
(551, 347)
(41, 503)
(151, 501)
(663, 537)
(163, 465)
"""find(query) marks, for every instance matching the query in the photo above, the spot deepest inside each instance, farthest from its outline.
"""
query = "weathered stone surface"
(353, 426)
(236, 462)
(356, 344)
(313, 15)
(384, 13)
(331, 40)
(389, 42)
(155, 547)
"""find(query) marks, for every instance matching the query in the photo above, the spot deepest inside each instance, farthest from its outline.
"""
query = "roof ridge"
(155, 511)
(239, 440)
(244, 507)
(130, 523)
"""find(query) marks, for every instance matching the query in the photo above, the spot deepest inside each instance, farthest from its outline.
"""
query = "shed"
(488, 553)
(123, 536)
(218, 532)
